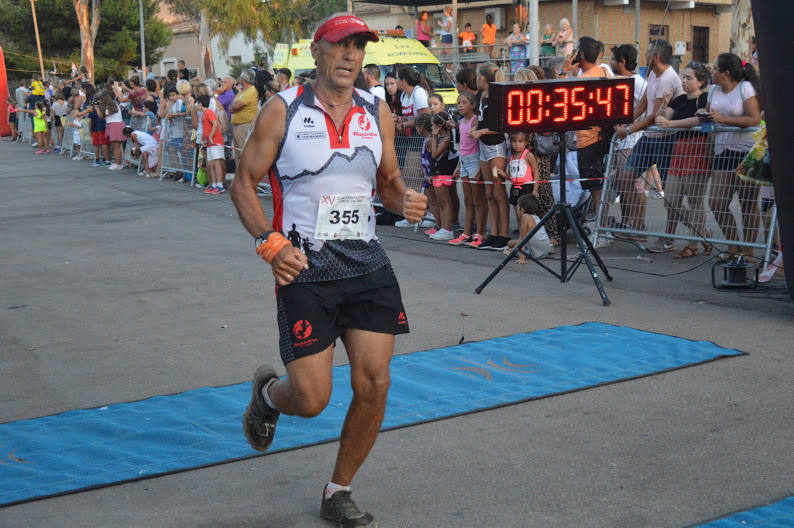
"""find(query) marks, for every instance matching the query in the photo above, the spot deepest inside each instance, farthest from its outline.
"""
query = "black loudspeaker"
(772, 19)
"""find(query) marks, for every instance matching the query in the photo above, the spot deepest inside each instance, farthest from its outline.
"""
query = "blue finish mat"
(776, 515)
(90, 448)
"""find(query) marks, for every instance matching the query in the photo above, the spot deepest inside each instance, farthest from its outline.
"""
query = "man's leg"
(370, 354)
(307, 388)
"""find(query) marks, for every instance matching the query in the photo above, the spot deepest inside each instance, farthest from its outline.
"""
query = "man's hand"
(620, 130)
(288, 264)
(414, 206)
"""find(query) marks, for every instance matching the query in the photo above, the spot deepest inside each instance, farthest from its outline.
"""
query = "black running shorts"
(312, 315)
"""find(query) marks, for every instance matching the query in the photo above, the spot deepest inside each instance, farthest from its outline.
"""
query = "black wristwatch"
(261, 239)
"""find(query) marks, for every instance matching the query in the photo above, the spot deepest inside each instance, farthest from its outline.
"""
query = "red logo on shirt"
(402, 319)
(364, 122)
(302, 329)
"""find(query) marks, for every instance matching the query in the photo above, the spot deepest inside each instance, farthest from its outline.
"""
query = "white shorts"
(489, 152)
(215, 153)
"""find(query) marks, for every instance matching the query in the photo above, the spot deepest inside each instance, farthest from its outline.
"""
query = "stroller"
(578, 198)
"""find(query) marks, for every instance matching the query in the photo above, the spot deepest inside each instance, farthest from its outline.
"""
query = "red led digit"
(562, 104)
(607, 103)
(513, 108)
(579, 104)
(539, 116)
(626, 94)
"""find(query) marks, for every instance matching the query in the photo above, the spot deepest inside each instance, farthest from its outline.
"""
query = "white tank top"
(316, 161)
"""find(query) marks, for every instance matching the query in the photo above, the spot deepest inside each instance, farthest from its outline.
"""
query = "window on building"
(656, 31)
(700, 44)
(236, 59)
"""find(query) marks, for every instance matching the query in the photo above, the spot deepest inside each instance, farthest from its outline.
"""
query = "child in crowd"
(539, 245)
(213, 140)
(146, 146)
(60, 109)
(436, 105)
(75, 123)
(12, 119)
(423, 127)
(469, 169)
(39, 126)
(175, 129)
(443, 164)
(468, 38)
(523, 167)
(110, 112)
(98, 138)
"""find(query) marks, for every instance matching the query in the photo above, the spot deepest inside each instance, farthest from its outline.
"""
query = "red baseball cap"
(342, 26)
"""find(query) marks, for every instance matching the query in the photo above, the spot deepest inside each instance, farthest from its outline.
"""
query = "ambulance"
(387, 52)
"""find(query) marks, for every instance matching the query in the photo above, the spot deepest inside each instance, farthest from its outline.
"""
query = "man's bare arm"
(257, 157)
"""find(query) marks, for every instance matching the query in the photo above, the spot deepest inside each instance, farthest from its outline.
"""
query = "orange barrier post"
(5, 129)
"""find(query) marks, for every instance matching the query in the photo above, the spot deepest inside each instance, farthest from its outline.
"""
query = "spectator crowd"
(208, 121)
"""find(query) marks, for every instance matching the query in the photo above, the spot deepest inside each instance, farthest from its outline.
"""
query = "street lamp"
(143, 44)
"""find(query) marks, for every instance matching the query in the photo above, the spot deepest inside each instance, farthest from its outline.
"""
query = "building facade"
(698, 30)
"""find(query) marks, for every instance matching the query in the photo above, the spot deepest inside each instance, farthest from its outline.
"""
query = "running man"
(326, 147)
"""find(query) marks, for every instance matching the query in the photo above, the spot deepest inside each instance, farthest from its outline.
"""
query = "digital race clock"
(560, 105)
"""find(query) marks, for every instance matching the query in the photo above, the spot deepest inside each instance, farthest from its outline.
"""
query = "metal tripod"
(566, 220)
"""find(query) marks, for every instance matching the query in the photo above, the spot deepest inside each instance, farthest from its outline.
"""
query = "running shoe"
(462, 239)
(430, 232)
(221, 190)
(259, 420)
(476, 241)
(115, 167)
(39, 151)
(97, 164)
(403, 223)
(215, 190)
(442, 234)
(208, 190)
(341, 509)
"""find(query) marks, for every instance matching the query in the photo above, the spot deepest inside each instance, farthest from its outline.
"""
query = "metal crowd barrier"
(701, 198)
(86, 145)
(409, 150)
(176, 151)
(25, 127)
(139, 124)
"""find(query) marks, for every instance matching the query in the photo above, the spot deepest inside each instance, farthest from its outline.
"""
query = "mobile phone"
(578, 58)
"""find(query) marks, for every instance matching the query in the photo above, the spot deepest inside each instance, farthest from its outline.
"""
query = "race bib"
(343, 217)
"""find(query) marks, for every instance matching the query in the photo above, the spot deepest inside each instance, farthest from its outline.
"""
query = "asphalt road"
(116, 288)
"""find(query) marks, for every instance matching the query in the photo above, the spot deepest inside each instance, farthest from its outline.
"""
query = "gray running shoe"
(259, 420)
(341, 509)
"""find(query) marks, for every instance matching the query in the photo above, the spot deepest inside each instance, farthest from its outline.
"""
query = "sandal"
(687, 252)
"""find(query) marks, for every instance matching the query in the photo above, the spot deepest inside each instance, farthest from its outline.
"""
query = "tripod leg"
(519, 247)
(586, 255)
(593, 250)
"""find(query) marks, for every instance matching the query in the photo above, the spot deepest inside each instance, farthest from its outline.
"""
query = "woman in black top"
(689, 167)
(493, 155)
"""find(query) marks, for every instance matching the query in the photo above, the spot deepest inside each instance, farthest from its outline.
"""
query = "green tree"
(117, 44)
(270, 20)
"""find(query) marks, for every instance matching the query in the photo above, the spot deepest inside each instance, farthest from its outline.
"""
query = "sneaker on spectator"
(442, 234)
(661, 245)
(97, 163)
(221, 190)
(107, 163)
(499, 243)
(487, 242)
(115, 167)
(460, 240)
(40, 151)
(34, 143)
(430, 232)
(403, 223)
(208, 190)
(476, 241)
